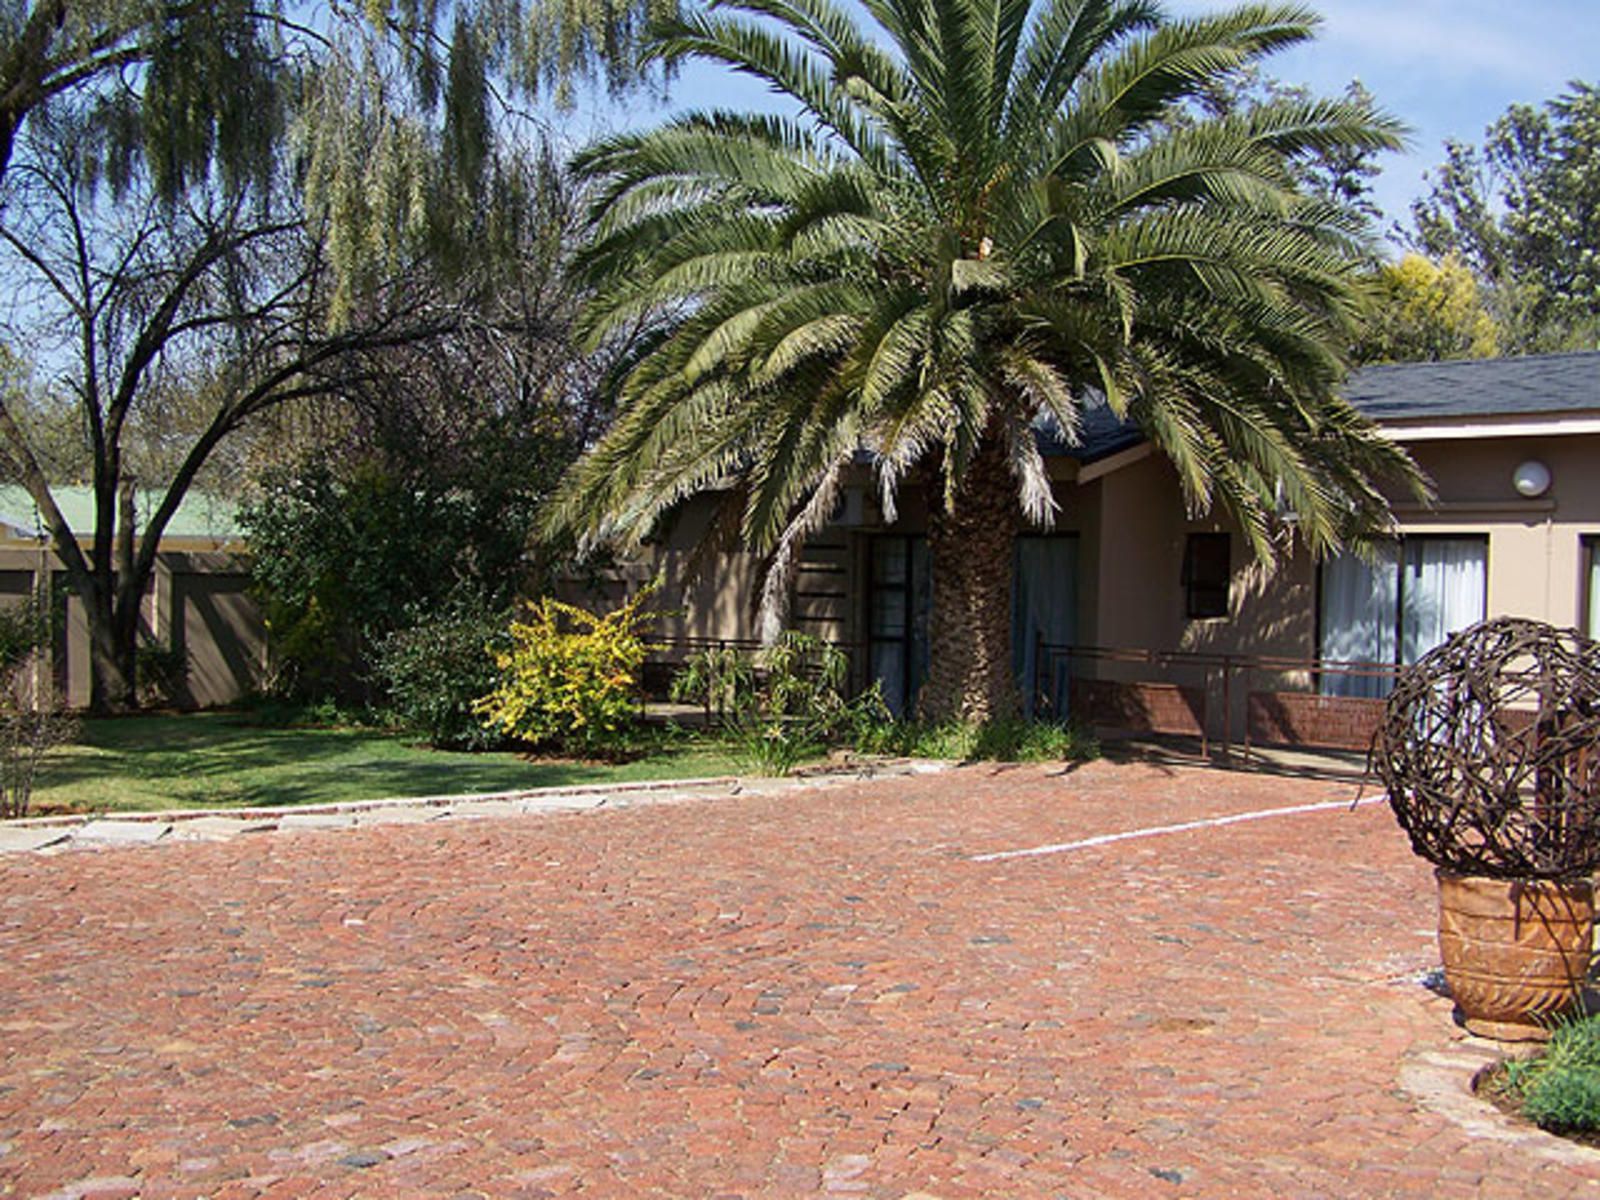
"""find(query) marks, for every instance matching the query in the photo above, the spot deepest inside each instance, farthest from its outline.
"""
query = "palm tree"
(989, 214)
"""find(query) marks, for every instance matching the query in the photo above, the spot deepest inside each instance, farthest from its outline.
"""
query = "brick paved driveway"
(792, 995)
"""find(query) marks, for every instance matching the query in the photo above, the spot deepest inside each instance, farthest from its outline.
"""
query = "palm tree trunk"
(971, 552)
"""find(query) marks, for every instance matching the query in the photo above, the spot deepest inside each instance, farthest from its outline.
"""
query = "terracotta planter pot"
(1516, 953)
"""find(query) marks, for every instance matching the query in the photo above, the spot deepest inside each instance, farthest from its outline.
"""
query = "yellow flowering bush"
(568, 678)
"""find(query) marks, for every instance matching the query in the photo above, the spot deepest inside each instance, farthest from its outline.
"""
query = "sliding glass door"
(1395, 608)
(899, 592)
(1044, 614)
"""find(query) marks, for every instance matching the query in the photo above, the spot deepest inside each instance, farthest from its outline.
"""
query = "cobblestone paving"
(797, 994)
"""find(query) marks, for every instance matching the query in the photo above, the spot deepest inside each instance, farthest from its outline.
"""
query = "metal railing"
(1216, 687)
(670, 653)
(1211, 679)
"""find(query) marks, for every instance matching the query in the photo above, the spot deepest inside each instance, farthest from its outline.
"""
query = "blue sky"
(1446, 67)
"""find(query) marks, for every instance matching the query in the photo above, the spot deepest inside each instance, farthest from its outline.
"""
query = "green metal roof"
(200, 517)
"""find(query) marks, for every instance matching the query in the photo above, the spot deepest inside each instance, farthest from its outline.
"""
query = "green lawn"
(217, 760)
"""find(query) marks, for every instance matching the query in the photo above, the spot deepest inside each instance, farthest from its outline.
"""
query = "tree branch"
(33, 478)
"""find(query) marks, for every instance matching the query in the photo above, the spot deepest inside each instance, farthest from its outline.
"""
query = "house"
(199, 600)
(1130, 615)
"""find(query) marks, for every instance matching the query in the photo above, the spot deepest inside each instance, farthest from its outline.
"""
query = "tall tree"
(984, 219)
(220, 298)
(250, 194)
(1523, 211)
(1341, 173)
(421, 506)
(194, 84)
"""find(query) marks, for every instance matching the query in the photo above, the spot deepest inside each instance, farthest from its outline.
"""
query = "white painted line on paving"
(1105, 839)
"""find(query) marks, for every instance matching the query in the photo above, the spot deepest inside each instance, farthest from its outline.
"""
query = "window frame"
(1191, 586)
(1588, 599)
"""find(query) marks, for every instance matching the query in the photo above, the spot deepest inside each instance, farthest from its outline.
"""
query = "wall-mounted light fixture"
(1531, 479)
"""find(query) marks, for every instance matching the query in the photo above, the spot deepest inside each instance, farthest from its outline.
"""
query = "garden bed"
(1556, 1089)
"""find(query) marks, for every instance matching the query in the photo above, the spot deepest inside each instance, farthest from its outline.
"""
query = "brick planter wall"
(1307, 719)
(1140, 707)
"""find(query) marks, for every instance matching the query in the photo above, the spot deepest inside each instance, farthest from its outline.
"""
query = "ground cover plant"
(1003, 740)
(1559, 1090)
(789, 702)
(226, 760)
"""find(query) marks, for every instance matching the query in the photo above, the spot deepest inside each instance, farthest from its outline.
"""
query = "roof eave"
(1441, 429)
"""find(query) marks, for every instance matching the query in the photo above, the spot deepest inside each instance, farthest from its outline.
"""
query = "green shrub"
(22, 632)
(1566, 1101)
(1009, 740)
(31, 720)
(1560, 1090)
(568, 678)
(436, 671)
(272, 710)
(161, 672)
(719, 678)
(385, 528)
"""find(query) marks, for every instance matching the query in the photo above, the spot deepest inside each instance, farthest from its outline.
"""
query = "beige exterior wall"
(1535, 546)
(1536, 565)
(211, 615)
(711, 597)
(199, 602)
(704, 595)
(1535, 555)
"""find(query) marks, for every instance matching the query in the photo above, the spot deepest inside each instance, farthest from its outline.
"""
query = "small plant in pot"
(1490, 751)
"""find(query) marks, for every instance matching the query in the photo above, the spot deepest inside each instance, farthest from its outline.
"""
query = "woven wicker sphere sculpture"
(1490, 750)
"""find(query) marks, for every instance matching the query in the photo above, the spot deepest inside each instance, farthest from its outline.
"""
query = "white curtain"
(1358, 619)
(1044, 609)
(1444, 591)
(1594, 590)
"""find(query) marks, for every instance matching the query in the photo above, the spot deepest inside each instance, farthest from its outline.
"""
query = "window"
(1206, 572)
(1392, 610)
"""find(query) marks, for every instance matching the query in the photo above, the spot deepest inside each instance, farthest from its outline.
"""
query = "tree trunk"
(111, 659)
(971, 556)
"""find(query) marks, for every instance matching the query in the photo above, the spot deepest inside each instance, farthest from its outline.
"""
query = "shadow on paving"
(1293, 763)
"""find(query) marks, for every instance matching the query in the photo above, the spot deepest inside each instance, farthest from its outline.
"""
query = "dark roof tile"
(1484, 387)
